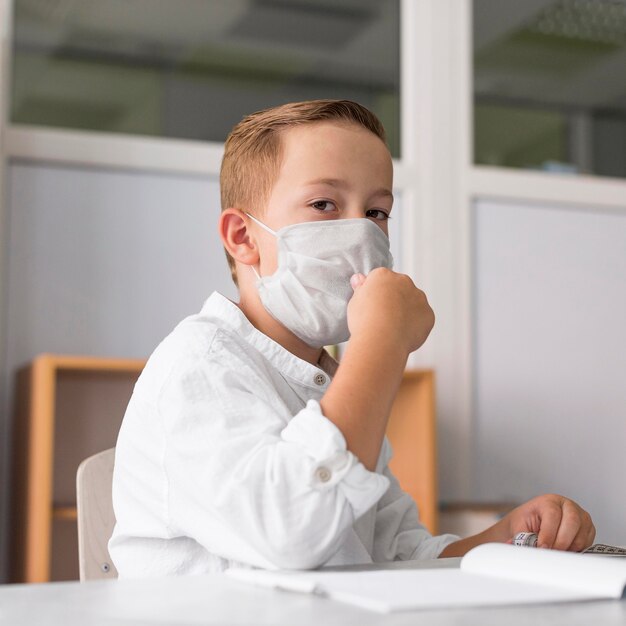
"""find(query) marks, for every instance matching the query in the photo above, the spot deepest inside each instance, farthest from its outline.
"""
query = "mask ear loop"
(261, 224)
(268, 229)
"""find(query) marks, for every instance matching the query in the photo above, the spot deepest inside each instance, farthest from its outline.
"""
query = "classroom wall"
(549, 285)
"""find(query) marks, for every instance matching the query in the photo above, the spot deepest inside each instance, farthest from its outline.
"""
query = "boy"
(245, 443)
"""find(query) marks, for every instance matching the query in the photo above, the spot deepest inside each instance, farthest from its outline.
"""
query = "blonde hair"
(253, 149)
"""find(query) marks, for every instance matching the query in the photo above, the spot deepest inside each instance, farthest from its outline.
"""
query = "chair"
(95, 516)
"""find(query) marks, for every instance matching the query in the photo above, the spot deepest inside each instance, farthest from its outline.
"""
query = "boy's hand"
(559, 523)
(388, 304)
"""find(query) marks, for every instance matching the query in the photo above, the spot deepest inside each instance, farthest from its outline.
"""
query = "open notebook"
(491, 574)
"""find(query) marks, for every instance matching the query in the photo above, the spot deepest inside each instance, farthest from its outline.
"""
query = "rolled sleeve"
(335, 466)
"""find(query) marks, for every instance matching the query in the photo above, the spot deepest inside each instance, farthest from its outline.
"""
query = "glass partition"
(192, 68)
(550, 85)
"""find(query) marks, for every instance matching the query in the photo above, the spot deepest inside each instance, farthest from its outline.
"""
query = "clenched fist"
(388, 304)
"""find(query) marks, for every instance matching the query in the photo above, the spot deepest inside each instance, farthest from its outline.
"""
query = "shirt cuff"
(333, 466)
(433, 546)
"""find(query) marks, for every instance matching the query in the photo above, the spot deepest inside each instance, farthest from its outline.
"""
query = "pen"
(530, 540)
(525, 539)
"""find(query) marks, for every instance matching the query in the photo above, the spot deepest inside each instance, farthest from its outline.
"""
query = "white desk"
(215, 599)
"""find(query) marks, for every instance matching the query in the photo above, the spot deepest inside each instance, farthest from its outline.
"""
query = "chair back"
(96, 519)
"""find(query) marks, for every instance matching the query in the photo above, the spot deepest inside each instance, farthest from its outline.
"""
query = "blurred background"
(507, 124)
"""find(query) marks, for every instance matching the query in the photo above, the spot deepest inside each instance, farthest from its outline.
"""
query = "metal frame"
(584, 192)
(436, 51)
(6, 23)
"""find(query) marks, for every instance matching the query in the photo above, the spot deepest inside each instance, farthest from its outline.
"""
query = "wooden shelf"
(67, 513)
(89, 363)
(412, 433)
(67, 408)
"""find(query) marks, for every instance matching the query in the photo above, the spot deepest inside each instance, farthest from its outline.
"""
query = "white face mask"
(309, 291)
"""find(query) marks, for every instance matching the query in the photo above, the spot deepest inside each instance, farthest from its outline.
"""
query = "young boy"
(245, 443)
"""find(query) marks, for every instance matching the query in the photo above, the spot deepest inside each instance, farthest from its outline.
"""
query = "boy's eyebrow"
(333, 182)
(336, 182)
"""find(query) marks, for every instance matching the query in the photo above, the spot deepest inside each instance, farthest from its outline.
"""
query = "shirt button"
(323, 474)
(319, 379)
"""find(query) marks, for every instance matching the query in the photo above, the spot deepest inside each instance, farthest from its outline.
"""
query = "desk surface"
(215, 599)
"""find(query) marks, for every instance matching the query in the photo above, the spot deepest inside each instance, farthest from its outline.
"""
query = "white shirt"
(224, 458)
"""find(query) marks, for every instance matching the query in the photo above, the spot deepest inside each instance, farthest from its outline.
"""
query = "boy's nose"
(352, 212)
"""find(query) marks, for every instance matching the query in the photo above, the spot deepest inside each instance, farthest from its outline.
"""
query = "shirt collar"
(288, 364)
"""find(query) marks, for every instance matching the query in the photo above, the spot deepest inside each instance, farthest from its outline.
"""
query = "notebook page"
(403, 590)
(597, 575)
(423, 589)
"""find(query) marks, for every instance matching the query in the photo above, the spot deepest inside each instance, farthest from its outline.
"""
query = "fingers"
(551, 514)
(571, 525)
(585, 536)
(356, 280)
(564, 525)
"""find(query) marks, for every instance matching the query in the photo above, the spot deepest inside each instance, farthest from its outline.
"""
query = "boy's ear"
(233, 230)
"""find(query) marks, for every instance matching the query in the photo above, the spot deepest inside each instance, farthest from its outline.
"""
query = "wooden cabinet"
(69, 408)
(412, 432)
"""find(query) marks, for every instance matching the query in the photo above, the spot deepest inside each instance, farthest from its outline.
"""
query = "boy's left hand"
(559, 523)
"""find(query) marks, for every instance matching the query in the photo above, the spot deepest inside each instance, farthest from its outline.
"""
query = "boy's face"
(329, 171)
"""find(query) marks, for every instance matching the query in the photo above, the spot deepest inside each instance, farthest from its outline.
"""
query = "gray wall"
(107, 262)
(550, 357)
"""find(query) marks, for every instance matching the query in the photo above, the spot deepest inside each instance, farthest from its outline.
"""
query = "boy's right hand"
(388, 304)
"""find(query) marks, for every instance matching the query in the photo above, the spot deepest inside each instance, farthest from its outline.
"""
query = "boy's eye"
(377, 214)
(323, 205)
